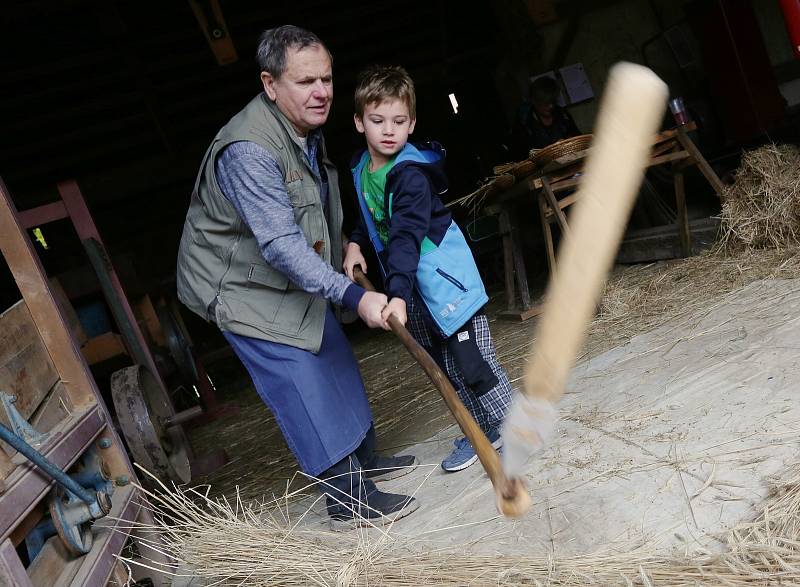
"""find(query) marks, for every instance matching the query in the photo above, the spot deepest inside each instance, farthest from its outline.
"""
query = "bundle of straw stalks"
(235, 544)
(762, 207)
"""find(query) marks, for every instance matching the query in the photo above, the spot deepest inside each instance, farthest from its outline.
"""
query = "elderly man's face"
(305, 90)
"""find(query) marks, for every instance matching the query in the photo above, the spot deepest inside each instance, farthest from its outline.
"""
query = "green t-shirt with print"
(373, 186)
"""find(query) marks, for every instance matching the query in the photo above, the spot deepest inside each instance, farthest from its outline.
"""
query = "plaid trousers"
(488, 409)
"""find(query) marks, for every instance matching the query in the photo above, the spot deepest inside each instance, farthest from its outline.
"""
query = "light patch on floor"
(663, 443)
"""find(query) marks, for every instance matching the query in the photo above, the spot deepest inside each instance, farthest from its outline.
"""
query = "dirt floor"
(407, 408)
(667, 441)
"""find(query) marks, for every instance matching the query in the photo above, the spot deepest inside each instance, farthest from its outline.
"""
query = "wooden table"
(673, 147)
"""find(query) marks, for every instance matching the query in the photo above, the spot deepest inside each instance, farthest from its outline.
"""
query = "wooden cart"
(41, 365)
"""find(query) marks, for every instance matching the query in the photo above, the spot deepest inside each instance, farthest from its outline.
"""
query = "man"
(261, 238)
(540, 121)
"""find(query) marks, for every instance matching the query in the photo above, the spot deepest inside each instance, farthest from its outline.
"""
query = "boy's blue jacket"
(445, 274)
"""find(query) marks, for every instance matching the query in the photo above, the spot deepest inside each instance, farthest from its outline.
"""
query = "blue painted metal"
(19, 424)
(36, 538)
(60, 477)
(70, 516)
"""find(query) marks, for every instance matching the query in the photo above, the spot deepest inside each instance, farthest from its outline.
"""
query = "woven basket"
(541, 157)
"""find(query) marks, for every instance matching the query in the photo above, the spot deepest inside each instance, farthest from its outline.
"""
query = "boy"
(429, 273)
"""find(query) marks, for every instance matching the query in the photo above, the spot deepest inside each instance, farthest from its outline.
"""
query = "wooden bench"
(672, 147)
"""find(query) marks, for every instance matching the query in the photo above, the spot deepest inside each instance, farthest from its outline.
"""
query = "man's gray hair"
(275, 43)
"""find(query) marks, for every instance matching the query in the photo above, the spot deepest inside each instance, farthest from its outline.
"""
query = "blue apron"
(318, 400)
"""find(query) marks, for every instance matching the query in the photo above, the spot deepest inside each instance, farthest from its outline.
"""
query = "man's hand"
(353, 257)
(370, 308)
(397, 307)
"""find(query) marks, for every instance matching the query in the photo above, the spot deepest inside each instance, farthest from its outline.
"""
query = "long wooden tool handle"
(632, 107)
(505, 489)
(631, 110)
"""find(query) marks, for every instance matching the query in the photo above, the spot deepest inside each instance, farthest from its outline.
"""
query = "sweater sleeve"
(252, 181)
(410, 222)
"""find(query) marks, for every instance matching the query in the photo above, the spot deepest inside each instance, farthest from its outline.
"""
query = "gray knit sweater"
(250, 178)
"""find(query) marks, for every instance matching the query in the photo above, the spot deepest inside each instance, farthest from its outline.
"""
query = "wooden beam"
(508, 257)
(43, 215)
(554, 206)
(548, 234)
(519, 266)
(12, 573)
(682, 222)
(103, 347)
(54, 566)
(212, 22)
(705, 168)
(30, 277)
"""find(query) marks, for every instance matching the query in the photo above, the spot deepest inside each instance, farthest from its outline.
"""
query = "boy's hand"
(353, 257)
(370, 308)
(397, 307)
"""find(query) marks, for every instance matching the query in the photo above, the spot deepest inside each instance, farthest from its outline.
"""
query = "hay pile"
(235, 544)
(762, 207)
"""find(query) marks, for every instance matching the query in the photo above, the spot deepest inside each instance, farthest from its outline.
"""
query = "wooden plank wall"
(26, 369)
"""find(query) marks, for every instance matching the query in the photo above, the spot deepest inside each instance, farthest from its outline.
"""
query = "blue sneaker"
(464, 453)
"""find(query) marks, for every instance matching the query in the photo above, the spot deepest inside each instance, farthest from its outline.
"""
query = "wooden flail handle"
(511, 494)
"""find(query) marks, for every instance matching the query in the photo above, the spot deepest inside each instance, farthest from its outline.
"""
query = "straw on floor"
(236, 544)
(231, 542)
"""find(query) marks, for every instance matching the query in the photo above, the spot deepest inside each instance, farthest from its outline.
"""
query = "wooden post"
(107, 276)
(519, 268)
(508, 257)
(547, 233)
(682, 221)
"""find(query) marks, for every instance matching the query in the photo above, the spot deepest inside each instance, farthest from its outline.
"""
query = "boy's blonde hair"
(379, 83)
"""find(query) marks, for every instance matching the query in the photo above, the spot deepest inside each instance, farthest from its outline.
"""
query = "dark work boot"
(378, 468)
(354, 501)
(386, 468)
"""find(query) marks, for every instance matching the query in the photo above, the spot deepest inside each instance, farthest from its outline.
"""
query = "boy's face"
(386, 126)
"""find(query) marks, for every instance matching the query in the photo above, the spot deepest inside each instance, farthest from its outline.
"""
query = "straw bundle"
(235, 544)
(492, 185)
(762, 208)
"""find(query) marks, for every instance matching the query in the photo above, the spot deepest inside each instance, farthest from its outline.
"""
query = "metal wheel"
(143, 411)
(180, 347)
(72, 527)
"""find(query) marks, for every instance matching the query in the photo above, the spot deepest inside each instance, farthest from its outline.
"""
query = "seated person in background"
(540, 121)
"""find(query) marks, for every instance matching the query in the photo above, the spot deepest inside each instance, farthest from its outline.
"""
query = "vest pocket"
(267, 277)
(287, 304)
(300, 195)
